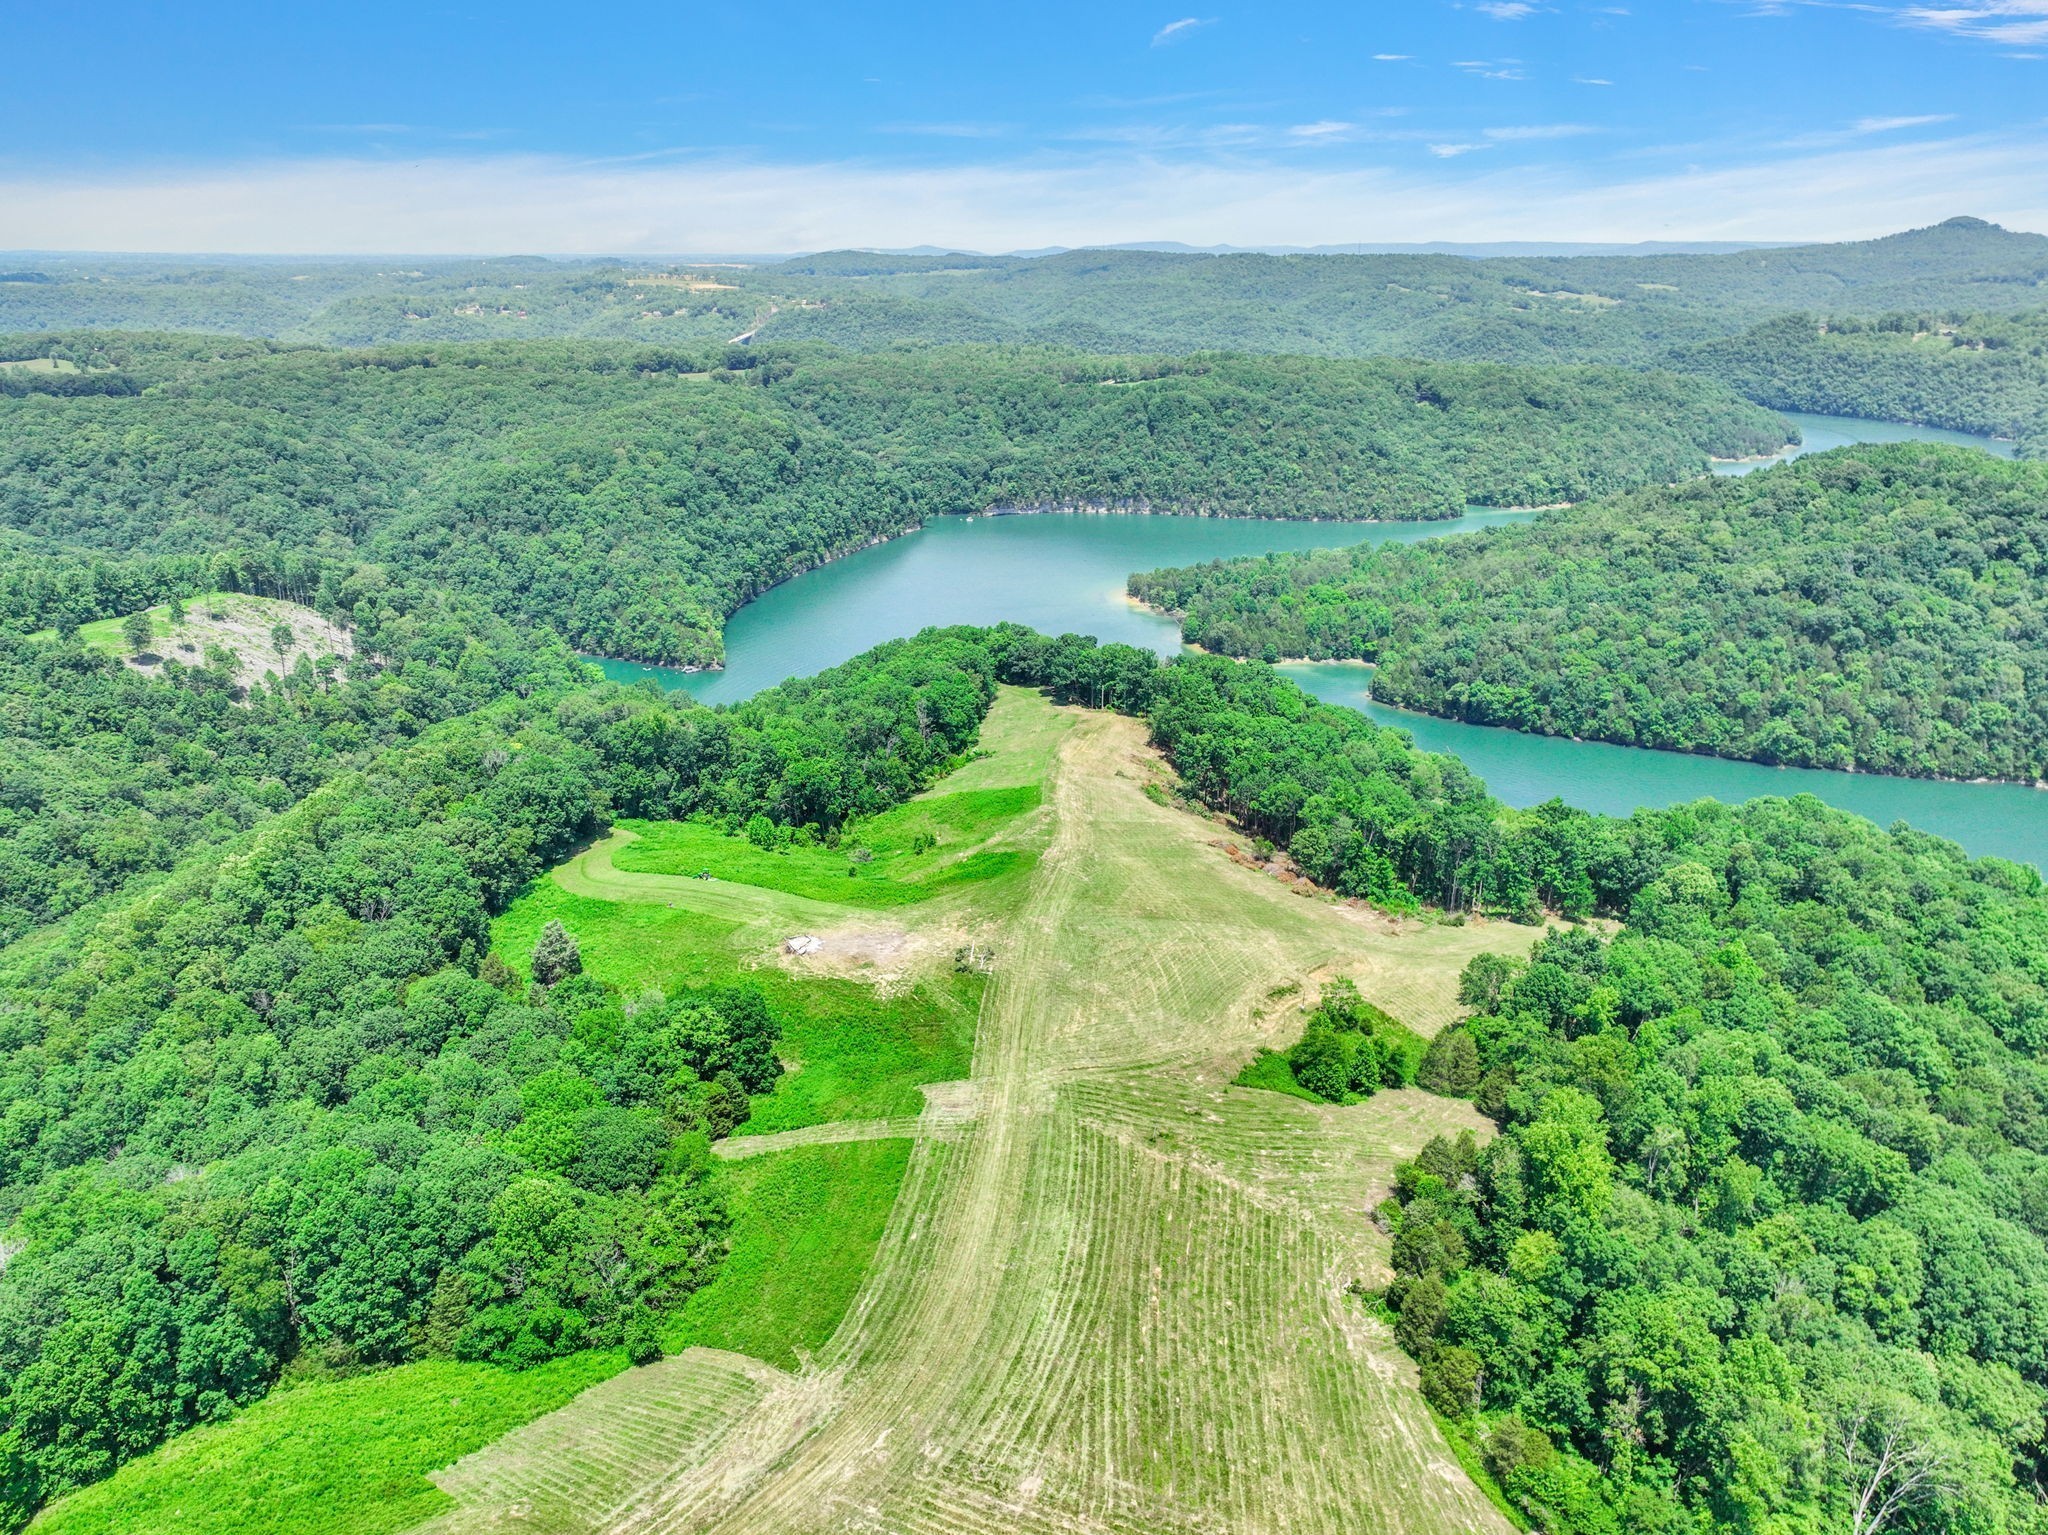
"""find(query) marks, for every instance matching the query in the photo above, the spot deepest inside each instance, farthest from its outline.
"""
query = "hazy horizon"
(432, 132)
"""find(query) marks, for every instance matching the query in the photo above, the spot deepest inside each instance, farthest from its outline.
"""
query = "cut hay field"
(353, 1456)
(1113, 1293)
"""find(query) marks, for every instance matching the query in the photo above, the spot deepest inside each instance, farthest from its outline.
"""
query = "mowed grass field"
(1114, 1296)
(353, 1457)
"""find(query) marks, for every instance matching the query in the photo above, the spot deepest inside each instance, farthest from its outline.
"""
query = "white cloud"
(1393, 58)
(1507, 10)
(1539, 131)
(1174, 30)
(2014, 22)
(1864, 125)
(436, 205)
(1452, 151)
(1326, 129)
(1589, 80)
(947, 130)
(1492, 69)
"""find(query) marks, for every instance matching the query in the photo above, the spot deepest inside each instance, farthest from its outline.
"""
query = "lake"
(1065, 572)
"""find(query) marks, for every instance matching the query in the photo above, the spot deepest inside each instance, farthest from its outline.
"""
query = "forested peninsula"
(631, 498)
(1875, 608)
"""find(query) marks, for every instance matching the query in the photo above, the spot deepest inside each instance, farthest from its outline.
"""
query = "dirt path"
(1114, 1300)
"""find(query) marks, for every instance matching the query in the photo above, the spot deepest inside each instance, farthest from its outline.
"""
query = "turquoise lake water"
(1065, 572)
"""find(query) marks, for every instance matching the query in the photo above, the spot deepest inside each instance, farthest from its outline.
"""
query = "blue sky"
(380, 127)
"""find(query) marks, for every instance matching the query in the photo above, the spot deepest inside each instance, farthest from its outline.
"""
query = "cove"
(1817, 434)
(1065, 573)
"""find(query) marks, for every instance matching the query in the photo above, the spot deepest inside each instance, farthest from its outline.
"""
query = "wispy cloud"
(947, 130)
(2011, 23)
(1492, 69)
(1589, 80)
(2017, 23)
(1865, 125)
(1507, 10)
(1173, 31)
(1531, 132)
(1328, 128)
(457, 204)
(1393, 58)
(1863, 128)
(1452, 151)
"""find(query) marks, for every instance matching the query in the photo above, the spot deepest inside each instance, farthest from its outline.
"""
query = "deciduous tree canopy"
(1871, 608)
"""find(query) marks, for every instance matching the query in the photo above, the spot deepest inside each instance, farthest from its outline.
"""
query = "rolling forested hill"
(1633, 310)
(1622, 309)
(631, 498)
(303, 1077)
(1871, 608)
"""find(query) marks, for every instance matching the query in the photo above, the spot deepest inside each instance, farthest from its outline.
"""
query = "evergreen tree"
(555, 956)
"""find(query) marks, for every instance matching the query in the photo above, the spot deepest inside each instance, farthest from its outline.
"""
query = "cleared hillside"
(1114, 1299)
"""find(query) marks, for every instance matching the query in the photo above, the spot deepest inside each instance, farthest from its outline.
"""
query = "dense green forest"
(1971, 373)
(107, 776)
(286, 1105)
(1267, 436)
(1877, 608)
(630, 498)
(1771, 1194)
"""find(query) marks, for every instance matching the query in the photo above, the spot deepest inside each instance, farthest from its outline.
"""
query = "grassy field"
(852, 1052)
(806, 1225)
(1116, 1299)
(856, 1050)
(336, 1458)
(41, 365)
(901, 869)
(350, 1457)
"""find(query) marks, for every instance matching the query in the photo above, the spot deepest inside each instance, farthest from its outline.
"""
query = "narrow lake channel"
(1065, 572)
